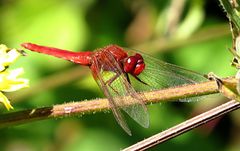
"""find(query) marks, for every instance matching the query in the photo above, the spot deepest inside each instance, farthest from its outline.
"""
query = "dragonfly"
(121, 73)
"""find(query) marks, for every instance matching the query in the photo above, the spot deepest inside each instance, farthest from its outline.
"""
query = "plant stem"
(98, 105)
(185, 126)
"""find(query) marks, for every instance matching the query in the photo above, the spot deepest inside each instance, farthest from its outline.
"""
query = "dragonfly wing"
(158, 74)
(132, 102)
(168, 75)
(118, 90)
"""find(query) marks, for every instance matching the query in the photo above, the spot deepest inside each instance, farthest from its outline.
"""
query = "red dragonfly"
(120, 72)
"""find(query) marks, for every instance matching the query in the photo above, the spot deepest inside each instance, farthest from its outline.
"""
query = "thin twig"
(174, 14)
(97, 105)
(185, 126)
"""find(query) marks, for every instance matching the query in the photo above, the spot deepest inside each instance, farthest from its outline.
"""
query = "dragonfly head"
(134, 64)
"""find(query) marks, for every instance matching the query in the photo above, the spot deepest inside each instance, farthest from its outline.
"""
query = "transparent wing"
(119, 91)
(158, 75)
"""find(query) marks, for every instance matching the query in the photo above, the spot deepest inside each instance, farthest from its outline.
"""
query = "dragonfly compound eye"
(139, 68)
(134, 65)
(130, 64)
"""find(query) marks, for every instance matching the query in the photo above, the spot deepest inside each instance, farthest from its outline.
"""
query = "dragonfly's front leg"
(140, 80)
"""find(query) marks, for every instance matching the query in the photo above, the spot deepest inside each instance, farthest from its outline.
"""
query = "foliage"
(9, 80)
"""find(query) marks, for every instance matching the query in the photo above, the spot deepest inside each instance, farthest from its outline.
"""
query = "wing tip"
(145, 122)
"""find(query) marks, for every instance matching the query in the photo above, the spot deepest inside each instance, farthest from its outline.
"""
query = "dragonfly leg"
(128, 79)
(110, 81)
(141, 80)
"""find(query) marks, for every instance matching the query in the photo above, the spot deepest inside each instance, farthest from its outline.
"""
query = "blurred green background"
(193, 34)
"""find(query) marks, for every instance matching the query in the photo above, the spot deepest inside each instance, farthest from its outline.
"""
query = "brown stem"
(185, 126)
(97, 105)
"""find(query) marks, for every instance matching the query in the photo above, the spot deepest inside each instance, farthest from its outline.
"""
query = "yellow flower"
(9, 80)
